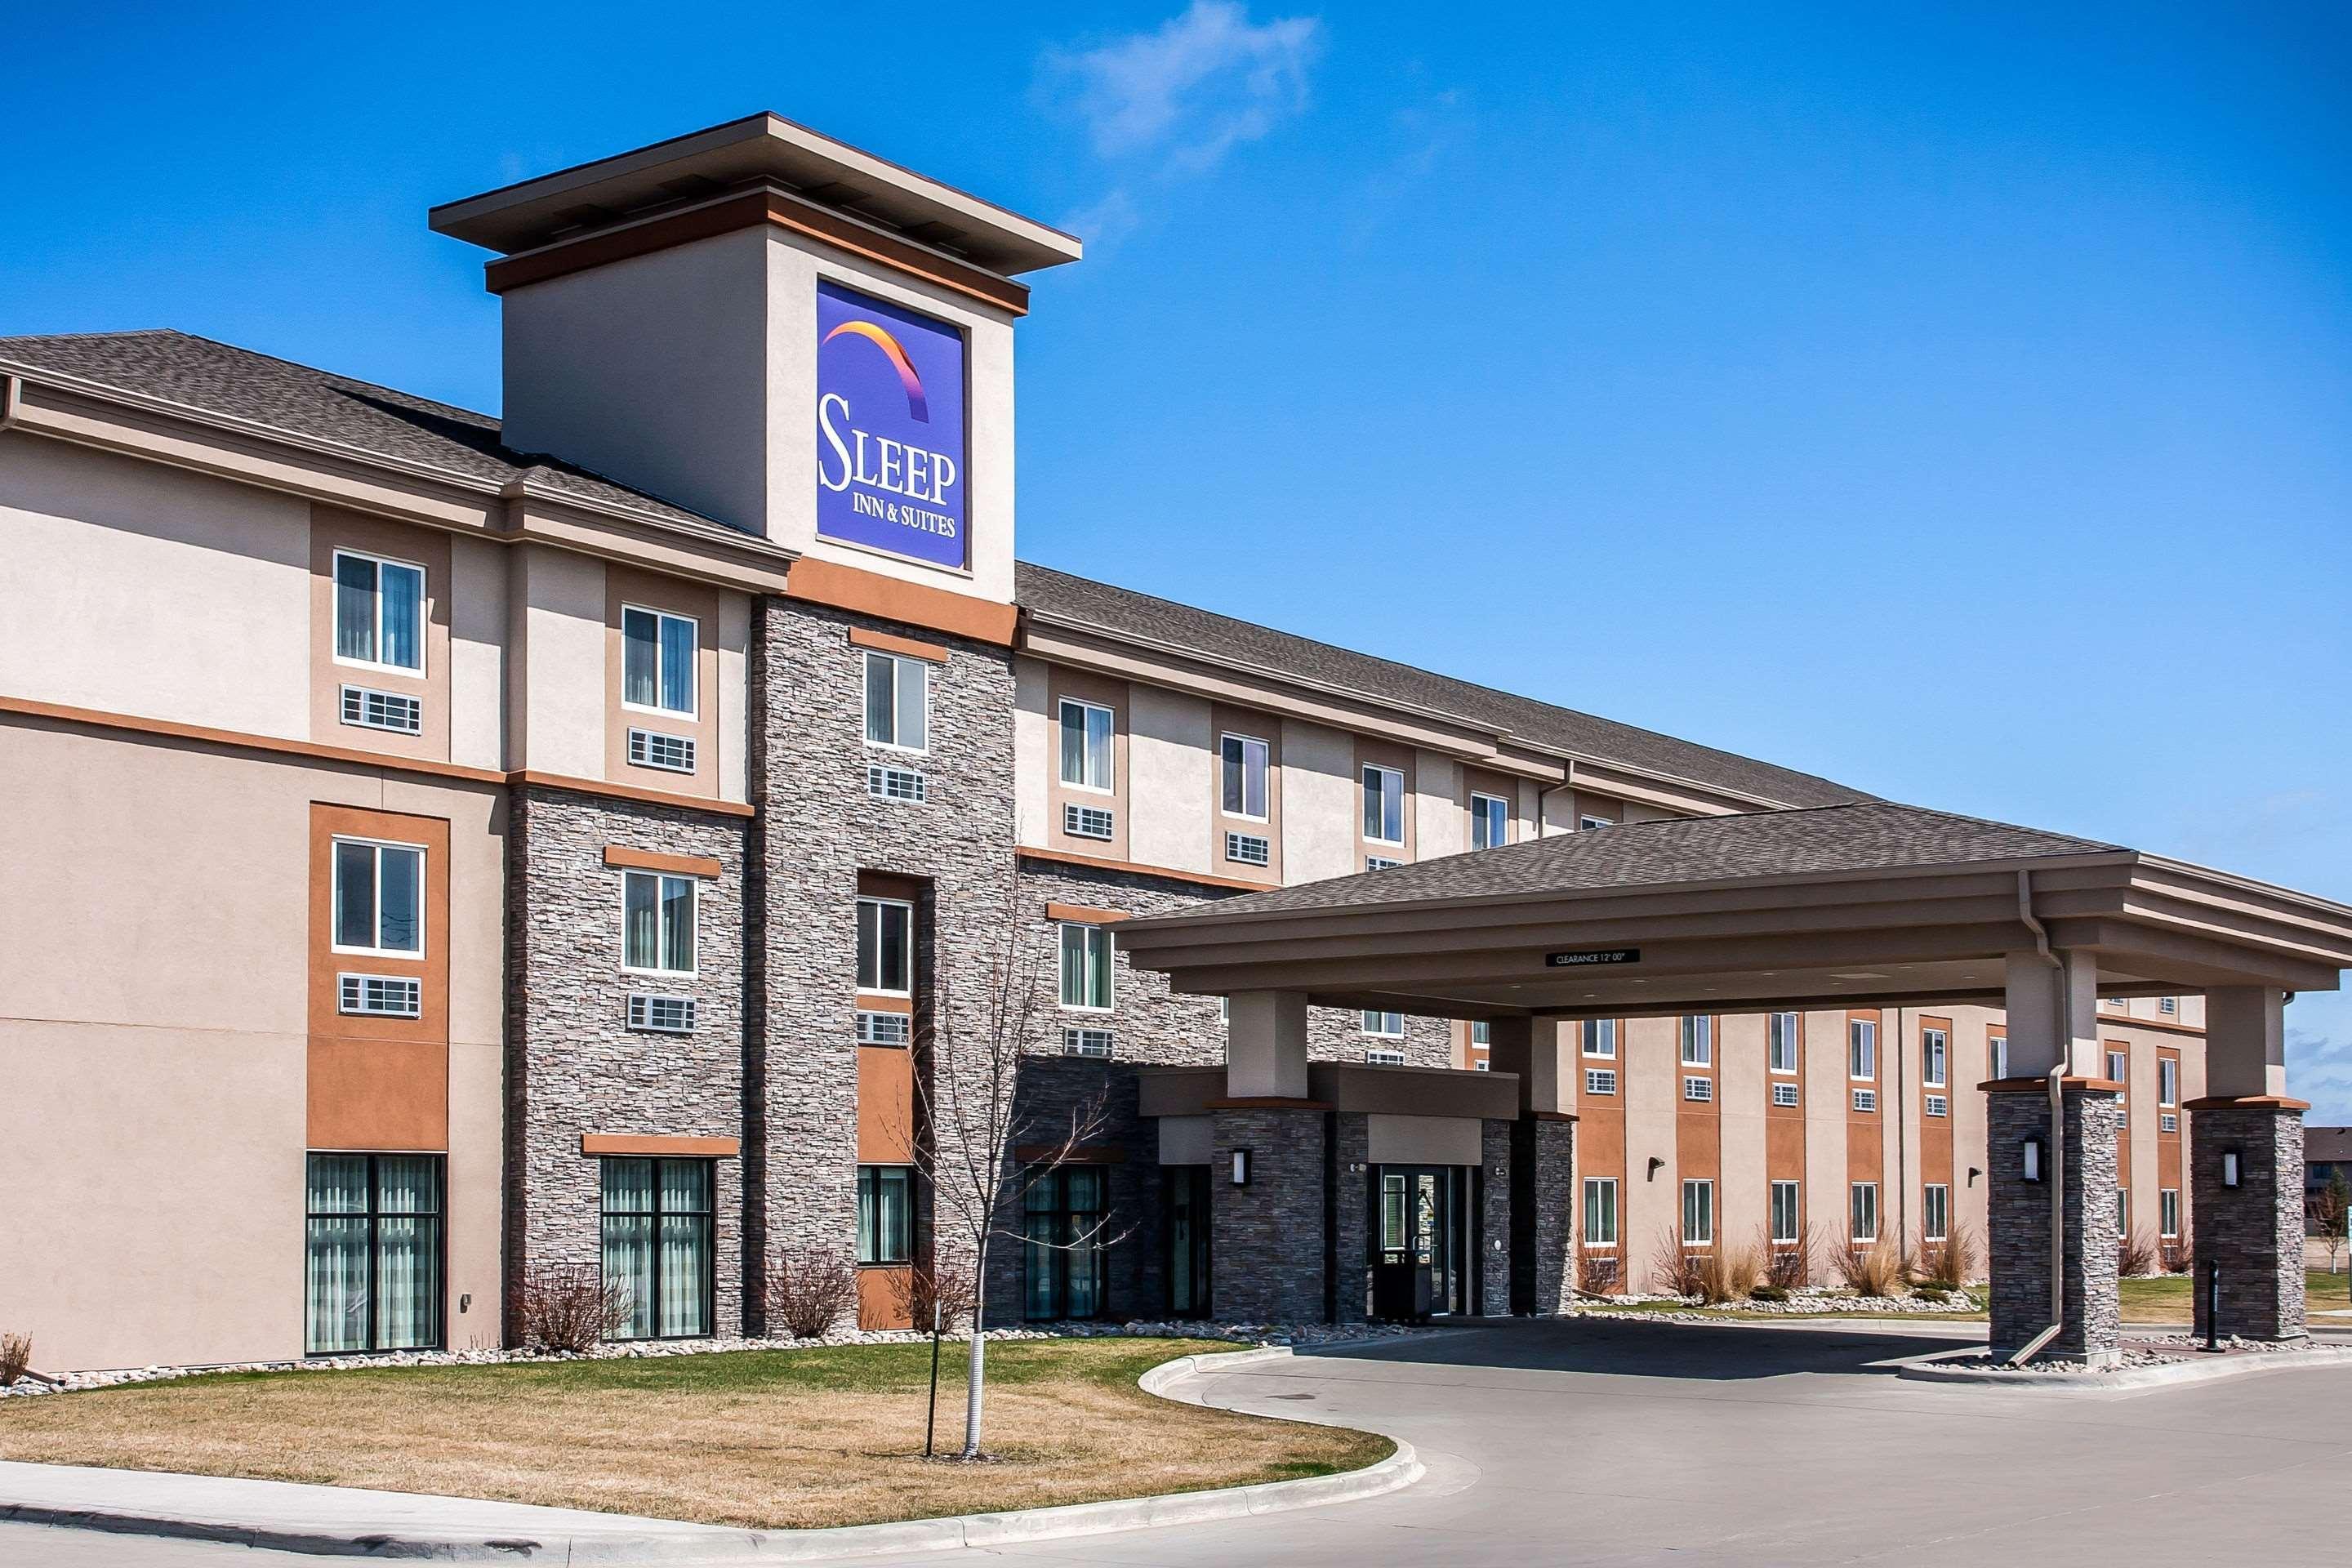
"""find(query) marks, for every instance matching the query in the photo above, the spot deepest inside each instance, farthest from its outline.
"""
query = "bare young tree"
(978, 1142)
(2329, 1208)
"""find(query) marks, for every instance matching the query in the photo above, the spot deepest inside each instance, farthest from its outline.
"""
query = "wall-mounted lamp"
(1241, 1167)
(2030, 1154)
(1656, 1165)
(1973, 1174)
(2229, 1167)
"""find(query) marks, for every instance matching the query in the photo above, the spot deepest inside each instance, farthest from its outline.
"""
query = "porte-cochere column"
(2245, 1170)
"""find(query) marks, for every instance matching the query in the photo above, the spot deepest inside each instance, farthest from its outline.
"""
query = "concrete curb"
(1925, 1369)
(70, 1496)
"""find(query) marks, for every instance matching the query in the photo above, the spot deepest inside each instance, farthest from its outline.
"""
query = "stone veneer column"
(1351, 1209)
(1267, 1239)
(1493, 1263)
(2018, 1248)
(2253, 1230)
(1543, 1214)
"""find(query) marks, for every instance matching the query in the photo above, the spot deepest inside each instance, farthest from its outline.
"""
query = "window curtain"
(629, 1248)
(677, 664)
(640, 657)
(1083, 1237)
(336, 1265)
(913, 681)
(355, 894)
(408, 1251)
(677, 922)
(1041, 1227)
(402, 589)
(354, 608)
(401, 898)
(640, 930)
(685, 1249)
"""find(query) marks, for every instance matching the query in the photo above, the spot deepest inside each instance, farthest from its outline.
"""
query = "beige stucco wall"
(1171, 778)
(155, 1044)
(1032, 750)
(1824, 1193)
(139, 589)
(1441, 811)
(1320, 803)
(556, 623)
(1742, 1198)
(477, 637)
(1649, 1204)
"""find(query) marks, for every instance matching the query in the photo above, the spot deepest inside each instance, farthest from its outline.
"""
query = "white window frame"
(2167, 1006)
(1265, 774)
(1484, 807)
(1861, 1048)
(898, 712)
(1381, 1031)
(1601, 1080)
(1702, 1187)
(1856, 1191)
(1784, 1095)
(2168, 1081)
(423, 614)
(2123, 1211)
(1376, 776)
(694, 903)
(1699, 1087)
(1697, 1035)
(1794, 1193)
(1936, 1212)
(1587, 823)
(1086, 750)
(1606, 1188)
(661, 647)
(1997, 1056)
(1859, 1095)
(864, 900)
(1108, 956)
(335, 894)
(1934, 1058)
(1383, 1057)
(1775, 1038)
(2119, 1074)
(2167, 1213)
(1597, 1039)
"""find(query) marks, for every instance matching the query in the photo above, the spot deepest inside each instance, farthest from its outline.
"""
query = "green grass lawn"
(823, 1437)
(2168, 1298)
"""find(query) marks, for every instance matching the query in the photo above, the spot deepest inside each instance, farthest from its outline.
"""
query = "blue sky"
(1955, 403)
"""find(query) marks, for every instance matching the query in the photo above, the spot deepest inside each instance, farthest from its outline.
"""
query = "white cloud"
(2320, 1069)
(1181, 97)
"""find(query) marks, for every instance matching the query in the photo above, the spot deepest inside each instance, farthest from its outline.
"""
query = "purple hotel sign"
(890, 465)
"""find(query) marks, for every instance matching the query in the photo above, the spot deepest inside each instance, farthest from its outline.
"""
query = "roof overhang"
(1906, 935)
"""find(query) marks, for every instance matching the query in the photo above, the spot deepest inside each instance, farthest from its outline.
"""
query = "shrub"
(1678, 1272)
(1768, 1293)
(16, 1357)
(1729, 1272)
(1790, 1264)
(1947, 1263)
(1599, 1273)
(2176, 1253)
(2134, 1255)
(917, 1289)
(811, 1291)
(569, 1307)
(1869, 1268)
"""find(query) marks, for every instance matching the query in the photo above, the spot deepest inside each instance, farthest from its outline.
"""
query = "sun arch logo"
(890, 428)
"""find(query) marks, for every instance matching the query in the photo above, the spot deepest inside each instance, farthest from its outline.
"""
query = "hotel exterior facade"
(479, 847)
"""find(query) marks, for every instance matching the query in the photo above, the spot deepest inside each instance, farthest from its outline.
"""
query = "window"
(1248, 849)
(2123, 1211)
(1699, 1040)
(1865, 1099)
(1490, 821)
(1378, 1059)
(1086, 745)
(886, 1213)
(1784, 1094)
(1601, 1211)
(657, 922)
(2167, 1006)
(2168, 1122)
(1386, 1025)
(379, 895)
(661, 1015)
(1482, 1032)
(1086, 1042)
(1935, 1046)
(1062, 1222)
(1599, 1081)
(656, 1246)
(372, 1256)
(1384, 804)
(2168, 1210)
(1997, 1056)
(369, 710)
(885, 946)
(1085, 967)
(1380, 863)
(1699, 1089)
(1785, 1215)
(1936, 1212)
(1780, 1042)
(2119, 1067)
(1586, 824)
(1244, 765)
(1938, 1105)
(2168, 1081)
(1600, 1036)
(379, 613)
(898, 703)
(1862, 1048)
(1085, 821)
(658, 660)
(1698, 1214)
(1865, 1211)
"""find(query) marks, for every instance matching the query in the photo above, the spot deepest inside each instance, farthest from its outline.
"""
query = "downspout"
(2057, 1126)
(1567, 779)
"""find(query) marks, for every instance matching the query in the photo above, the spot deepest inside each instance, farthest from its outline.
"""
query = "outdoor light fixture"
(1241, 1167)
(1973, 1174)
(1656, 1165)
(2229, 1167)
(2031, 1155)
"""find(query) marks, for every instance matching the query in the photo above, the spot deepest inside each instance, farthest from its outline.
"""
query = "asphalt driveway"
(1607, 1442)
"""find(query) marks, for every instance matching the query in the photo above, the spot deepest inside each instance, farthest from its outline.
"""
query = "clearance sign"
(889, 428)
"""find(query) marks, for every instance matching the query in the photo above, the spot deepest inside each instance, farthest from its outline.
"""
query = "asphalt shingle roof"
(221, 379)
(1540, 724)
(1871, 835)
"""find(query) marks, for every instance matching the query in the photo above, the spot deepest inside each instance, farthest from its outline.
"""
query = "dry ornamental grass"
(778, 1439)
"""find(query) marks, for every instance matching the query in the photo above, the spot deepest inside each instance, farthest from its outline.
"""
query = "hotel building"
(445, 846)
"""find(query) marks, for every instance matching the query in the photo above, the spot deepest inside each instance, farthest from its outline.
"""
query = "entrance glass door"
(1420, 1225)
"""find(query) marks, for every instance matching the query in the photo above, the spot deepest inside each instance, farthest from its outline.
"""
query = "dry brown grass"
(775, 1439)
(16, 1356)
(2135, 1255)
(1869, 1268)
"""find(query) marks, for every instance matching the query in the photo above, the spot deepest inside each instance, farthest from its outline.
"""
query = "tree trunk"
(975, 1388)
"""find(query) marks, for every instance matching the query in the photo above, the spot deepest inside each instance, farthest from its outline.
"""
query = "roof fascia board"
(245, 452)
(2231, 958)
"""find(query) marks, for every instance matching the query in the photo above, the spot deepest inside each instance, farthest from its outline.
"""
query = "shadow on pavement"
(1727, 1351)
